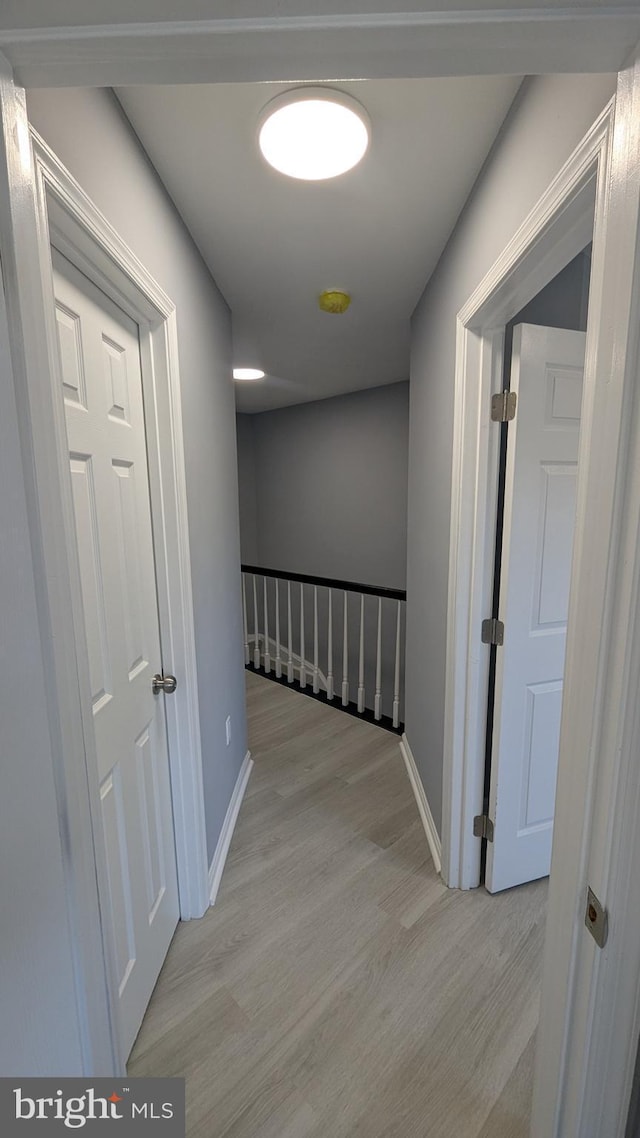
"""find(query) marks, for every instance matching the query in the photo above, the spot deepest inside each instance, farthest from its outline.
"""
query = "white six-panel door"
(102, 387)
(539, 515)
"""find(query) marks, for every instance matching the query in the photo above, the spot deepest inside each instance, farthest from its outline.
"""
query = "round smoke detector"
(335, 301)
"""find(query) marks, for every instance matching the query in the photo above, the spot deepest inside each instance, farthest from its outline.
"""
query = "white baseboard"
(228, 826)
(433, 837)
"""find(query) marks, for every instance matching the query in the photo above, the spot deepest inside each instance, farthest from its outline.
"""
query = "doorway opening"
(565, 221)
(538, 453)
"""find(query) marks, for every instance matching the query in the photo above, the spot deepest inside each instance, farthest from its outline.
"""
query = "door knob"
(167, 684)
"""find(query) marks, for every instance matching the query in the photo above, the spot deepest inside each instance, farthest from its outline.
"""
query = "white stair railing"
(289, 654)
(278, 660)
(396, 674)
(316, 686)
(256, 639)
(330, 647)
(303, 667)
(267, 654)
(361, 659)
(378, 696)
(372, 640)
(345, 654)
(247, 653)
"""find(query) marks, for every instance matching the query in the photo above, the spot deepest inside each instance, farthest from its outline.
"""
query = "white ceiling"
(273, 244)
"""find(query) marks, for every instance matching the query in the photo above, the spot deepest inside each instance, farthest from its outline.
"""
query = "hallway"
(337, 988)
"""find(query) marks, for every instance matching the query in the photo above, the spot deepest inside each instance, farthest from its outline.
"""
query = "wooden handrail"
(329, 582)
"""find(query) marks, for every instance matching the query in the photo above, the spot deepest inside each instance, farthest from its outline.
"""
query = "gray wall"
(549, 117)
(40, 1033)
(563, 302)
(88, 131)
(330, 482)
(247, 488)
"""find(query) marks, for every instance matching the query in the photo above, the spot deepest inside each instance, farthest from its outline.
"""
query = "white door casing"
(539, 517)
(101, 376)
(68, 219)
(590, 1010)
(272, 42)
(559, 227)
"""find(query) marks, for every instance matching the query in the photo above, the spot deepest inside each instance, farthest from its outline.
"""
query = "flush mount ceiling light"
(247, 373)
(313, 133)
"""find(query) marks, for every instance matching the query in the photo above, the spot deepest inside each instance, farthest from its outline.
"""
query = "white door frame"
(590, 1014)
(559, 226)
(42, 204)
(276, 42)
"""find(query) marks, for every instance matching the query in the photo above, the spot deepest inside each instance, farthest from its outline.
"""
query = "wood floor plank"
(338, 989)
(509, 1115)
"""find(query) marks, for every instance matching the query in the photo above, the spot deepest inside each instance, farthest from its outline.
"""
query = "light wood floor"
(337, 989)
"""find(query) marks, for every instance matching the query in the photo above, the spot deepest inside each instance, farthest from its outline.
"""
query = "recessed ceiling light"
(313, 133)
(247, 373)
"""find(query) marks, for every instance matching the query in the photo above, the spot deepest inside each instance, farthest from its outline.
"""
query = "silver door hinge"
(483, 827)
(596, 919)
(503, 406)
(492, 631)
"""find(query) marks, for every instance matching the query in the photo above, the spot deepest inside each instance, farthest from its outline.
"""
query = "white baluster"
(361, 660)
(303, 670)
(316, 681)
(278, 660)
(330, 649)
(345, 655)
(377, 703)
(247, 653)
(267, 653)
(396, 679)
(256, 646)
(289, 653)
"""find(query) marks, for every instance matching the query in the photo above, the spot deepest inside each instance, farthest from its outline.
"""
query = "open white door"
(539, 517)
